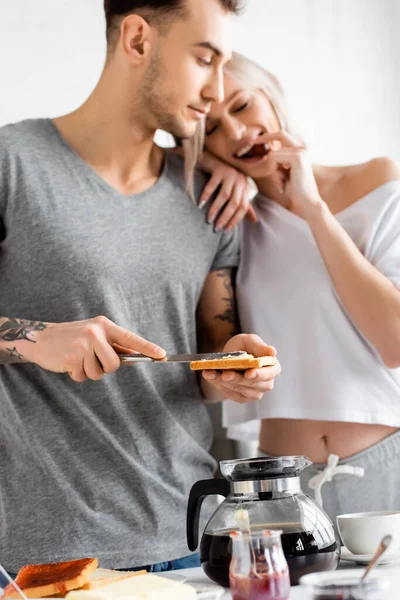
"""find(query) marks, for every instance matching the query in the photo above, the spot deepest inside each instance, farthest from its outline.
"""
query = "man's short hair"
(156, 11)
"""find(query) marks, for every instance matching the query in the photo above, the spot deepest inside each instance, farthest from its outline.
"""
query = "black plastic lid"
(250, 469)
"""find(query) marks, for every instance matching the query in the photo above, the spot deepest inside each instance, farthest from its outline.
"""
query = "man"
(95, 221)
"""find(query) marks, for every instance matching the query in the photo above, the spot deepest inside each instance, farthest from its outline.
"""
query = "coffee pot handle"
(200, 490)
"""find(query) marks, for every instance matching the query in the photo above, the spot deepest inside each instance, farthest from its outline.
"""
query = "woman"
(319, 279)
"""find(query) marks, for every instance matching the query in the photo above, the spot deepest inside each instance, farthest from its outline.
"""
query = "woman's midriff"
(319, 439)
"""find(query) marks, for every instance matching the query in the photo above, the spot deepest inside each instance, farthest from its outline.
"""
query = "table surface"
(297, 592)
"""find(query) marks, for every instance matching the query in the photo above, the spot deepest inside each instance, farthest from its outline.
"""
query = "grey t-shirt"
(100, 468)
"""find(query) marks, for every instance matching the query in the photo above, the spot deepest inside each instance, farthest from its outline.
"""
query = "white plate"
(171, 575)
(205, 590)
(363, 559)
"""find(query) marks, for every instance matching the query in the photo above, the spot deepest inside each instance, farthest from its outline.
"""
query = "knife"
(127, 359)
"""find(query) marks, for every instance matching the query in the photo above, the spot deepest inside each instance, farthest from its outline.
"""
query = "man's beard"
(157, 102)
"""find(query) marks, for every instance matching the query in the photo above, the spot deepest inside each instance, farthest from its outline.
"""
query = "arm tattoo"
(13, 330)
(230, 315)
(10, 356)
(14, 353)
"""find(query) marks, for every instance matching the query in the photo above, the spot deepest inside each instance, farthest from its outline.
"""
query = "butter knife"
(127, 359)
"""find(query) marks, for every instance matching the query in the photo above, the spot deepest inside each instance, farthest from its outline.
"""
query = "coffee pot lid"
(263, 467)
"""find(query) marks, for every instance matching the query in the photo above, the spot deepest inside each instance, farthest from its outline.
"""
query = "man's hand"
(249, 385)
(84, 349)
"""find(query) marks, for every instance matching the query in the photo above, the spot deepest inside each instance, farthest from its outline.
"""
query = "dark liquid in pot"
(300, 548)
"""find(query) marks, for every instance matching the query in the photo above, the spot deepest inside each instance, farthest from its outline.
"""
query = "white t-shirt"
(330, 372)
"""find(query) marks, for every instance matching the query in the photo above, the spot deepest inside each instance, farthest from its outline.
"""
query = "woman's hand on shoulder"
(232, 202)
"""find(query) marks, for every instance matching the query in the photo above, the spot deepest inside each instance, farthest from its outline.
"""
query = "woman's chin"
(252, 168)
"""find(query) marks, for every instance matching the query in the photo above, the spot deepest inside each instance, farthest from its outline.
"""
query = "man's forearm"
(217, 320)
(14, 335)
(226, 326)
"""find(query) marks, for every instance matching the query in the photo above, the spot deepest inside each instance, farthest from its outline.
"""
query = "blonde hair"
(193, 149)
(251, 76)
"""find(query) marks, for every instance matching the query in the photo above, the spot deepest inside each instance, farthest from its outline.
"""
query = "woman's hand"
(232, 203)
(291, 169)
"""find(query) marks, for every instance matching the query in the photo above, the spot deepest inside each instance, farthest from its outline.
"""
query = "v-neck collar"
(91, 173)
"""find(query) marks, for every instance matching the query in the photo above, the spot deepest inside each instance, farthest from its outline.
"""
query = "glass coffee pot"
(269, 489)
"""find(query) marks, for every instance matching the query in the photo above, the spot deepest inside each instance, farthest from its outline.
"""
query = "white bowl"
(361, 533)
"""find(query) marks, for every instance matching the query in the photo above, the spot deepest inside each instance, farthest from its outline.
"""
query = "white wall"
(338, 59)
(51, 55)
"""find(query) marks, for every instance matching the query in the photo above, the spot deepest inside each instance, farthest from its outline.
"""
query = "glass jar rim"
(267, 533)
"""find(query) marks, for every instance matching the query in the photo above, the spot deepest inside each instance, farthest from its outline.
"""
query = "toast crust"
(236, 363)
(39, 581)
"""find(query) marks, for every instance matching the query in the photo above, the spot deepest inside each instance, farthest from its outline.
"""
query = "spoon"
(383, 546)
(243, 522)
(10, 580)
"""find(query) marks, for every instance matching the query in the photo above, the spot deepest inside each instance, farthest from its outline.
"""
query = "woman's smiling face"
(233, 126)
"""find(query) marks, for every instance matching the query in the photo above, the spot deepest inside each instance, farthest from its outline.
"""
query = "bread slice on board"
(39, 581)
(101, 577)
(145, 587)
(235, 363)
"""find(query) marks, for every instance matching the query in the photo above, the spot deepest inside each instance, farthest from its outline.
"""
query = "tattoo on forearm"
(12, 330)
(10, 356)
(230, 315)
(15, 330)
(14, 353)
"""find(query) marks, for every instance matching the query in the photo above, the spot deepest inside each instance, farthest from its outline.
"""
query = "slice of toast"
(145, 587)
(234, 363)
(39, 581)
(101, 577)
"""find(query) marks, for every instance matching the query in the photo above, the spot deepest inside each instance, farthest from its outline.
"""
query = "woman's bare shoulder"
(341, 186)
(366, 177)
